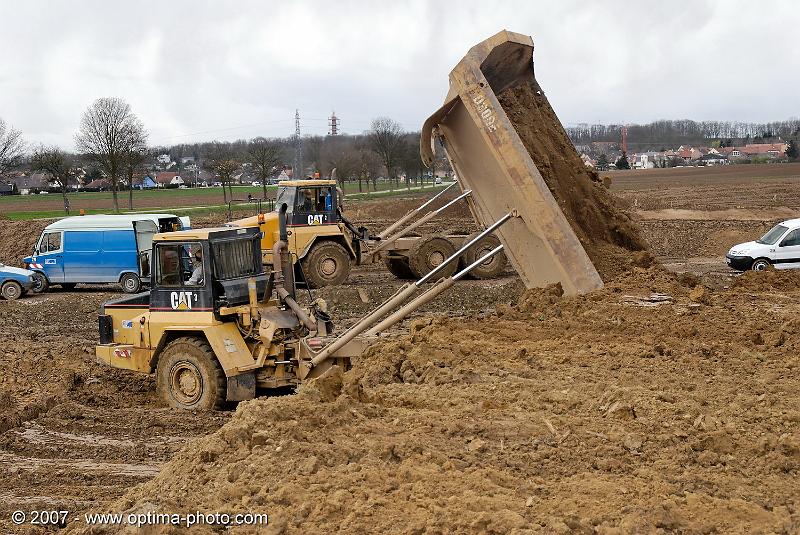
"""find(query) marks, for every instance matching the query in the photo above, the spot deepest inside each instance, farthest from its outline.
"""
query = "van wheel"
(40, 283)
(131, 283)
(11, 290)
(328, 264)
(762, 264)
(189, 376)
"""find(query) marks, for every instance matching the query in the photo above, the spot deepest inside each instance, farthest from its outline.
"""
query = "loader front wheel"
(11, 290)
(490, 268)
(428, 253)
(328, 264)
(190, 377)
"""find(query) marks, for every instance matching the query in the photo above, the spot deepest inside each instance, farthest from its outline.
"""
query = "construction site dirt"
(666, 402)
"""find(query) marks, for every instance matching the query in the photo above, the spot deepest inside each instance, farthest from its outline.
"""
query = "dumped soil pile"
(772, 280)
(652, 405)
(18, 238)
(607, 233)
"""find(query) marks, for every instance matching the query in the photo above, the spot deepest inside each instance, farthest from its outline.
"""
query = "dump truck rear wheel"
(40, 283)
(328, 264)
(428, 253)
(11, 290)
(190, 377)
(399, 268)
(492, 267)
(131, 283)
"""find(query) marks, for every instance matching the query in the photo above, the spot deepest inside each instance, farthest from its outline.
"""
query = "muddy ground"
(622, 410)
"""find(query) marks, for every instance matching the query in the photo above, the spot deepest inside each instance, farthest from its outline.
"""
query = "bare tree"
(224, 163)
(135, 156)
(12, 147)
(59, 165)
(385, 139)
(340, 154)
(108, 132)
(265, 156)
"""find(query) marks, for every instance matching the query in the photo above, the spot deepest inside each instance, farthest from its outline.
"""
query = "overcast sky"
(200, 70)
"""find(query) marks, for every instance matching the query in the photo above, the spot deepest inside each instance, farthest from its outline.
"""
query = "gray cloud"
(196, 70)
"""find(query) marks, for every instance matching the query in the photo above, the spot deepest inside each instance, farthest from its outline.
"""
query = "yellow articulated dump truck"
(324, 245)
(220, 325)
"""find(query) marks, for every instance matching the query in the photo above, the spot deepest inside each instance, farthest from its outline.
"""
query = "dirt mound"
(771, 280)
(18, 238)
(632, 409)
(607, 233)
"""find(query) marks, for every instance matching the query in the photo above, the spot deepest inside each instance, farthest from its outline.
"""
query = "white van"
(780, 247)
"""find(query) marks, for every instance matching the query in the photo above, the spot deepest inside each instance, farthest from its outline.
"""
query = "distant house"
(713, 159)
(163, 159)
(285, 175)
(168, 178)
(6, 189)
(27, 183)
(144, 182)
(99, 184)
(772, 150)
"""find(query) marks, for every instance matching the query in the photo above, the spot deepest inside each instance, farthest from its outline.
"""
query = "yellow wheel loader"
(217, 327)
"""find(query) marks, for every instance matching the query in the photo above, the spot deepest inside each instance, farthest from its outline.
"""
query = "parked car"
(779, 248)
(14, 282)
(256, 184)
(216, 185)
(99, 249)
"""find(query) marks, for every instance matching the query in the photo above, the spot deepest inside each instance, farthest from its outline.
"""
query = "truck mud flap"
(241, 387)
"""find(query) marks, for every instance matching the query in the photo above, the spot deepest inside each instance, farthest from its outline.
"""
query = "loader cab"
(199, 271)
(308, 202)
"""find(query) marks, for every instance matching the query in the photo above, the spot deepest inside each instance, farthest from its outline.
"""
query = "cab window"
(793, 238)
(318, 199)
(176, 266)
(50, 242)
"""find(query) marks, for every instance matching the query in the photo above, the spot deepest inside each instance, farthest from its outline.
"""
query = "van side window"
(793, 238)
(51, 242)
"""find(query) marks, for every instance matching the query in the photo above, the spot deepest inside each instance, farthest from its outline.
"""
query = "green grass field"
(192, 201)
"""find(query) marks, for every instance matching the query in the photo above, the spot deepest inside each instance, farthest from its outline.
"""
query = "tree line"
(113, 140)
(665, 134)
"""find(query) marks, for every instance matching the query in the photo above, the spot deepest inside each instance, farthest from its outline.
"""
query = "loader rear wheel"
(399, 268)
(328, 264)
(11, 290)
(190, 377)
(428, 253)
(40, 283)
(492, 267)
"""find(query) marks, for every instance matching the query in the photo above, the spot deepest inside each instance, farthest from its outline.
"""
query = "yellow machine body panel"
(490, 159)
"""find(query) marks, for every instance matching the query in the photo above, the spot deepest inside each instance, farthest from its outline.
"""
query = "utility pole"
(298, 149)
(333, 124)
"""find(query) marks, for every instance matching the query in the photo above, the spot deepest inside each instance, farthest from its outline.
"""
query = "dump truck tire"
(399, 268)
(491, 268)
(131, 283)
(190, 377)
(11, 290)
(327, 264)
(40, 283)
(430, 251)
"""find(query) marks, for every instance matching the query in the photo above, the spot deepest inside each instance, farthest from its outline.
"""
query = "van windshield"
(773, 235)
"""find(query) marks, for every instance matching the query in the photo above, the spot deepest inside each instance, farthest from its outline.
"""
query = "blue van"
(99, 249)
